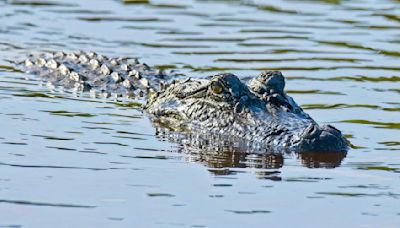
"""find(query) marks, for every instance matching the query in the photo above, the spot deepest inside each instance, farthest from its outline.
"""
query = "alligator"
(218, 110)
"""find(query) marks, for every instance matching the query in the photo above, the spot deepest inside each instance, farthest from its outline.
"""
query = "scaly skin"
(263, 118)
(221, 111)
(101, 75)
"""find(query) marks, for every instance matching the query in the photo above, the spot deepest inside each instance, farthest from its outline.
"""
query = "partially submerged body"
(216, 111)
(224, 107)
(100, 75)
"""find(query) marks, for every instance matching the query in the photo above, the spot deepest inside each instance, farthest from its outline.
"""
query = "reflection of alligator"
(219, 110)
(219, 162)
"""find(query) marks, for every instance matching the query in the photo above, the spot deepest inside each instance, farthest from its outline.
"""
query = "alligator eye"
(217, 87)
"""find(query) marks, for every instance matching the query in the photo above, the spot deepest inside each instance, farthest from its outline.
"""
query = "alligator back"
(102, 76)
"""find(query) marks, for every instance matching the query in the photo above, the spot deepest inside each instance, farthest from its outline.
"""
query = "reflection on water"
(226, 154)
(321, 160)
(231, 158)
(70, 159)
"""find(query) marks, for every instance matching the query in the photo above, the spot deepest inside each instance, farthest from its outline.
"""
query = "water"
(72, 161)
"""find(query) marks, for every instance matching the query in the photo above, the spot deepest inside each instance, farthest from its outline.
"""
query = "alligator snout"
(322, 139)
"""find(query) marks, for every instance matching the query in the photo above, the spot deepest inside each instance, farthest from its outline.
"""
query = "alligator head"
(259, 115)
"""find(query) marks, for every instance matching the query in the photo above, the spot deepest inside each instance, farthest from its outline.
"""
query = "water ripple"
(30, 203)
(340, 59)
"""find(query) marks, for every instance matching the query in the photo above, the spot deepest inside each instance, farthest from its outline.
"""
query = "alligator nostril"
(313, 131)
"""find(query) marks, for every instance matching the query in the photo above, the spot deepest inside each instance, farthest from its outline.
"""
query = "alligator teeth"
(104, 70)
